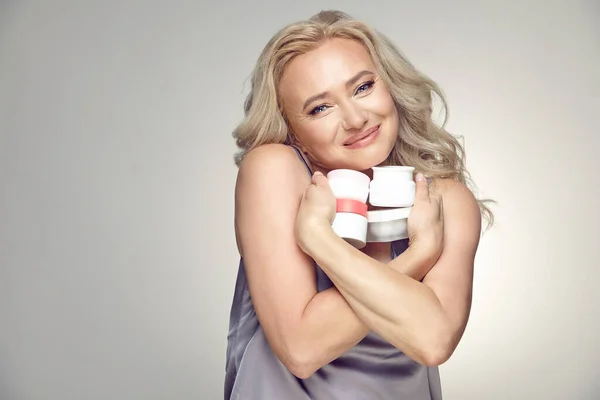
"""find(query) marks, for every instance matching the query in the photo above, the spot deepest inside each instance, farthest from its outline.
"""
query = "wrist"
(313, 233)
(421, 257)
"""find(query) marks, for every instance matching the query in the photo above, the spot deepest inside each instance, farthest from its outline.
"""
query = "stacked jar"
(351, 190)
(393, 189)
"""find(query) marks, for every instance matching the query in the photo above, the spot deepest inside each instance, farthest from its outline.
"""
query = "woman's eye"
(364, 87)
(318, 109)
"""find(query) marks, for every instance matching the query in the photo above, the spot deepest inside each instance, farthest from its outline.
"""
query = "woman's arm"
(306, 329)
(424, 320)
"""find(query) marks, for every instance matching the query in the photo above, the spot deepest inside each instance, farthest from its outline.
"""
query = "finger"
(422, 190)
(319, 179)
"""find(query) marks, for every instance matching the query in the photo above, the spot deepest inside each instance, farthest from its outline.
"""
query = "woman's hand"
(317, 210)
(426, 223)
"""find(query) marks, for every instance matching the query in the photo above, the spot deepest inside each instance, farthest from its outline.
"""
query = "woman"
(313, 317)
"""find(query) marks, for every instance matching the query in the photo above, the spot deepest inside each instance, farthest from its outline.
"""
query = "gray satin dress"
(371, 370)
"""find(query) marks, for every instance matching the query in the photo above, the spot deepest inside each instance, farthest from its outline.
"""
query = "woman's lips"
(364, 138)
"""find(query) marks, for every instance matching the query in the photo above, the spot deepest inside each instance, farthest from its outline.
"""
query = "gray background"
(117, 251)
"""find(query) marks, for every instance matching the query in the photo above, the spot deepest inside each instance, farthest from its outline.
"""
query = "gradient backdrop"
(117, 253)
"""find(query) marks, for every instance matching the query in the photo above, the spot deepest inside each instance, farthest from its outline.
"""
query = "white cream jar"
(392, 186)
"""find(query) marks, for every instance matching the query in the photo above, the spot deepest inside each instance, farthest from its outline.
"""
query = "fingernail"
(420, 177)
(318, 173)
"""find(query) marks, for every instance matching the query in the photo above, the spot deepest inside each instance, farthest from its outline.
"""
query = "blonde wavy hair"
(421, 143)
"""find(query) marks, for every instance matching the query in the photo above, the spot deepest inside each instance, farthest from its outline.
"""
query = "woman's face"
(338, 108)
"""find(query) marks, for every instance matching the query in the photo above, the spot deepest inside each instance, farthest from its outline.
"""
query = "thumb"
(319, 179)
(422, 190)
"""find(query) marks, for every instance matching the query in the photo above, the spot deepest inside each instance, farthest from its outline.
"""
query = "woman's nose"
(354, 117)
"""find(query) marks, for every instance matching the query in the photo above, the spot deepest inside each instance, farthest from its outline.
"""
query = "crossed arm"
(420, 308)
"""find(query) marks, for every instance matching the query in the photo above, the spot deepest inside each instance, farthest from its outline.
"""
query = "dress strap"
(303, 160)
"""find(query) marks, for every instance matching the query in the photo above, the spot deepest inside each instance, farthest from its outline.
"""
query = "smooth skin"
(420, 301)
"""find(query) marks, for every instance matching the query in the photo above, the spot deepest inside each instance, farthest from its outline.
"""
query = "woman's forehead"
(328, 67)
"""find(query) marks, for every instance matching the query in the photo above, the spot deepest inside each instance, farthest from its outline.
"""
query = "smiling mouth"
(360, 136)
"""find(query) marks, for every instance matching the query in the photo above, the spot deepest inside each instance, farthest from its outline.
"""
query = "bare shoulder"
(462, 215)
(452, 188)
(270, 183)
(456, 194)
(270, 165)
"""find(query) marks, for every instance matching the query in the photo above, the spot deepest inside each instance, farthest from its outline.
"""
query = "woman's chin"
(359, 160)
(366, 160)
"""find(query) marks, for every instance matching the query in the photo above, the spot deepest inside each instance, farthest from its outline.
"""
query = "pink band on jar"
(351, 206)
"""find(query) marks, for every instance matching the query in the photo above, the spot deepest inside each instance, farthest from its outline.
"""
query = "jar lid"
(351, 174)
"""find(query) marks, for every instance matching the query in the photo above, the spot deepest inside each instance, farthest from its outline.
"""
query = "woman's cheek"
(324, 130)
(383, 104)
